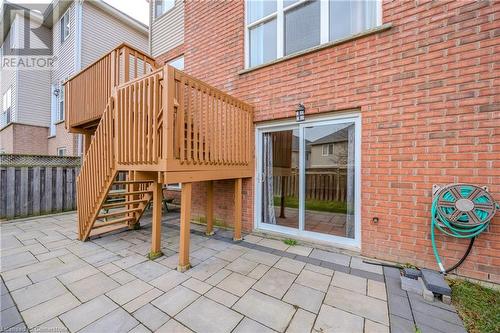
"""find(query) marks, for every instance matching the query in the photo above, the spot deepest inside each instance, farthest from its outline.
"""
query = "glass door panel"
(280, 178)
(329, 179)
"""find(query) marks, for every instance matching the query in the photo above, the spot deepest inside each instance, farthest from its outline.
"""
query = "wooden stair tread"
(121, 194)
(116, 221)
(103, 216)
(123, 203)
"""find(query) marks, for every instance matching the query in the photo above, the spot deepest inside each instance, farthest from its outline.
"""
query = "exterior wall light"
(300, 113)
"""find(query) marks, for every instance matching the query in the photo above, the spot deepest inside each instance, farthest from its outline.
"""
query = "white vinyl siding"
(9, 78)
(167, 31)
(65, 52)
(279, 28)
(102, 32)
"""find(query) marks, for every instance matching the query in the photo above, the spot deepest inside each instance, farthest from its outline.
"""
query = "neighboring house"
(329, 151)
(80, 33)
(414, 83)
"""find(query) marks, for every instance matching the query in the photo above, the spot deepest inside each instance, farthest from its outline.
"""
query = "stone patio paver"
(290, 265)
(92, 286)
(83, 315)
(122, 277)
(265, 309)
(142, 300)
(373, 327)
(350, 282)
(357, 263)
(300, 250)
(242, 266)
(274, 244)
(221, 296)
(236, 284)
(358, 304)
(173, 301)
(377, 289)
(41, 313)
(251, 326)
(313, 280)
(275, 282)
(37, 293)
(196, 285)
(304, 297)
(129, 291)
(302, 321)
(173, 326)
(332, 320)
(151, 317)
(148, 270)
(117, 321)
(259, 271)
(205, 315)
(10, 317)
(169, 280)
(333, 257)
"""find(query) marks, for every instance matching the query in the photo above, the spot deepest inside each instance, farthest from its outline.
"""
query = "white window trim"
(60, 99)
(61, 149)
(63, 38)
(156, 17)
(279, 15)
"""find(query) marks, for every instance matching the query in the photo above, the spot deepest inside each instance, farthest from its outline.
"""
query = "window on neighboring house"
(60, 106)
(65, 26)
(277, 28)
(7, 107)
(61, 151)
(163, 6)
(177, 63)
(327, 149)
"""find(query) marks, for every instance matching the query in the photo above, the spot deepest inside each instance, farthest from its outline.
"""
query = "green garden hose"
(461, 211)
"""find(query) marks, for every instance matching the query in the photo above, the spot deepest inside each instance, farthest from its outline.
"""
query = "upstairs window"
(65, 26)
(278, 28)
(60, 106)
(327, 149)
(7, 107)
(163, 6)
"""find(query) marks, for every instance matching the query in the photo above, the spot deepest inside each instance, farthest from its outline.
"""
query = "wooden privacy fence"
(38, 187)
(321, 184)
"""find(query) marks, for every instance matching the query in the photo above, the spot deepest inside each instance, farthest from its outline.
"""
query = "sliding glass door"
(308, 179)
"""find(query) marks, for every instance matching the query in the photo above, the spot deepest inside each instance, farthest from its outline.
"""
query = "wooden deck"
(161, 126)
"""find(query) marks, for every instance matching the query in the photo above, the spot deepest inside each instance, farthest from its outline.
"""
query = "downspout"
(78, 55)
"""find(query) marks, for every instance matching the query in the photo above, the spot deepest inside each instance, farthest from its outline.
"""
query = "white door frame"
(300, 232)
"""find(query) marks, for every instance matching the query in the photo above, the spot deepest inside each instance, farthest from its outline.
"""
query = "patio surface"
(54, 283)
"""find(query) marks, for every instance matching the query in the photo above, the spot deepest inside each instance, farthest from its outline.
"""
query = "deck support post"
(156, 222)
(210, 209)
(238, 187)
(184, 264)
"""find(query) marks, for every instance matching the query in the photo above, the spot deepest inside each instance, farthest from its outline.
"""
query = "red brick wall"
(24, 139)
(430, 104)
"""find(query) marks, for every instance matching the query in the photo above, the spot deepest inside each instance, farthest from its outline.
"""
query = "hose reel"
(461, 211)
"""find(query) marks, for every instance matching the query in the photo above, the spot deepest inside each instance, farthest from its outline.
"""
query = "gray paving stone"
(236, 284)
(290, 265)
(117, 321)
(242, 266)
(304, 297)
(129, 291)
(197, 285)
(14, 261)
(357, 263)
(139, 329)
(148, 270)
(78, 274)
(423, 320)
(300, 250)
(53, 325)
(401, 325)
(335, 320)
(393, 286)
(259, 271)
(251, 326)
(205, 315)
(231, 254)
(41, 313)
(313, 280)
(9, 318)
(207, 268)
(30, 269)
(350, 282)
(274, 244)
(221, 296)
(361, 305)
(151, 317)
(373, 327)
(430, 311)
(87, 313)
(37, 293)
(400, 306)
(302, 321)
(6, 302)
(377, 289)
(101, 258)
(275, 282)
(366, 274)
(129, 261)
(16, 283)
(173, 326)
(142, 300)
(336, 258)
(169, 280)
(203, 253)
(218, 277)
(319, 269)
(109, 268)
(265, 309)
(261, 257)
(122, 277)
(174, 300)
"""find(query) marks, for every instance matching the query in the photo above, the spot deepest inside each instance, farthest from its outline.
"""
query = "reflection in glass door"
(329, 179)
(309, 180)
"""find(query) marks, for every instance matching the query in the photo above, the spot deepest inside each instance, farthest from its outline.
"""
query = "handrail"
(98, 168)
(89, 90)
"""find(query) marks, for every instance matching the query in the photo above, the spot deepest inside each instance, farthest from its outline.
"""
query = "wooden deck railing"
(98, 168)
(210, 129)
(140, 121)
(87, 92)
